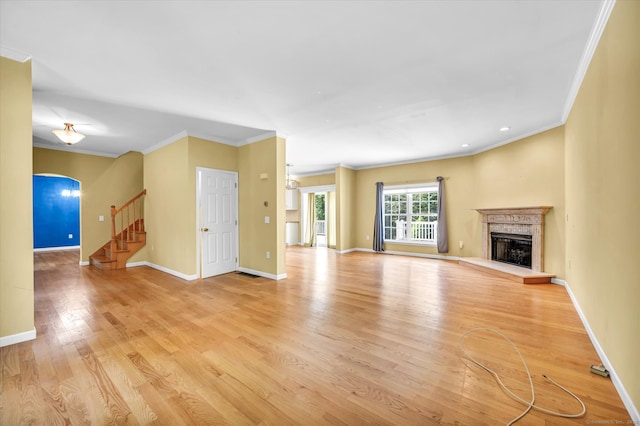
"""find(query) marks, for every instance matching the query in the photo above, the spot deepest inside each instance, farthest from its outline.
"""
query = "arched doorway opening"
(56, 216)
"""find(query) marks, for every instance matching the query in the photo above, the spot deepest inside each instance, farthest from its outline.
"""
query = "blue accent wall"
(56, 212)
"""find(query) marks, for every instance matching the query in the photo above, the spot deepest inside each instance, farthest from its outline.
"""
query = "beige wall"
(346, 191)
(104, 182)
(306, 181)
(170, 208)
(458, 173)
(602, 158)
(170, 219)
(280, 164)
(524, 173)
(317, 180)
(16, 227)
(256, 237)
(529, 172)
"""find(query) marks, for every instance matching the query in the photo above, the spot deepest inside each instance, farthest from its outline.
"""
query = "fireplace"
(514, 249)
(519, 236)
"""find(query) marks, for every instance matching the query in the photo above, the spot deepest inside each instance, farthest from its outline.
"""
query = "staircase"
(127, 235)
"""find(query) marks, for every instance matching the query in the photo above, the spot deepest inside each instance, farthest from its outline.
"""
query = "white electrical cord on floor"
(529, 404)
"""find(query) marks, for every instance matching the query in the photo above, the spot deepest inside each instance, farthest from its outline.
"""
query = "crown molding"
(165, 142)
(258, 138)
(596, 32)
(14, 54)
(315, 173)
(212, 138)
(74, 151)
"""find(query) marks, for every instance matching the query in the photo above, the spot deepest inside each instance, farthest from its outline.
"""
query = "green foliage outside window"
(319, 200)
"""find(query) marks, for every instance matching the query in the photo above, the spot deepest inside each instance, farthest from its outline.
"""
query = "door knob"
(205, 229)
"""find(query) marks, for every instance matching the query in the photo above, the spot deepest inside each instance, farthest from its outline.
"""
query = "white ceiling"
(357, 83)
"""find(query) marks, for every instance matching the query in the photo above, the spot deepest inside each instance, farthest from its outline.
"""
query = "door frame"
(79, 246)
(199, 171)
(303, 206)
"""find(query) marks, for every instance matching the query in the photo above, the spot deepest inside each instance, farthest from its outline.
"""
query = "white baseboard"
(84, 263)
(262, 274)
(196, 276)
(348, 251)
(163, 269)
(404, 253)
(17, 338)
(167, 270)
(615, 379)
(56, 248)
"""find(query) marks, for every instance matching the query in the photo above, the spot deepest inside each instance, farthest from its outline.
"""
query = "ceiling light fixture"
(465, 145)
(290, 184)
(69, 134)
(504, 129)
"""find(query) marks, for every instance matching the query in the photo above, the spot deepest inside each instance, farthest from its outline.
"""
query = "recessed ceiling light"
(504, 129)
(465, 145)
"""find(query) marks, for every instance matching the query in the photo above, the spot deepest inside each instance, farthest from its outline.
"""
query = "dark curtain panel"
(378, 223)
(443, 236)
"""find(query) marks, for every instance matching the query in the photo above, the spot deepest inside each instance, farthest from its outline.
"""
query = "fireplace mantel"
(516, 220)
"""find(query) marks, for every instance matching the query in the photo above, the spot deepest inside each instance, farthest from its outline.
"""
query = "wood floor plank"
(358, 338)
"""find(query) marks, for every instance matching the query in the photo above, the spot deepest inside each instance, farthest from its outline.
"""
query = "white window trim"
(416, 187)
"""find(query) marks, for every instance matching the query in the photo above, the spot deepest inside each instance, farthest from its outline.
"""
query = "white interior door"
(218, 221)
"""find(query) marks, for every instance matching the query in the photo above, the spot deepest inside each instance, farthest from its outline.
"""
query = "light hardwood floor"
(346, 339)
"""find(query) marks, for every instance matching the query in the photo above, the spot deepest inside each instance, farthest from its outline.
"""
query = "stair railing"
(126, 221)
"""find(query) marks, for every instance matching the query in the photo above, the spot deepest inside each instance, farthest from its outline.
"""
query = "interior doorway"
(56, 221)
(56, 213)
(318, 216)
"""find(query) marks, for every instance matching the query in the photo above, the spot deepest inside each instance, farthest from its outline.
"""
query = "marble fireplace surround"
(516, 220)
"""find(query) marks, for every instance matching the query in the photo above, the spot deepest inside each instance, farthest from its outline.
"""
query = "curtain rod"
(410, 182)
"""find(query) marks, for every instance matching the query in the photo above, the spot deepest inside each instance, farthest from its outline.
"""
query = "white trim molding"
(136, 264)
(172, 272)
(558, 281)
(165, 142)
(596, 32)
(258, 138)
(402, 253)
(13, 339)
(37, 250)
(14, 54)
(317, 189)
(212, 138)
(262, 274)
(615, 379)
(352, 250)
(163, 269)
(65, 148)
(196, 276)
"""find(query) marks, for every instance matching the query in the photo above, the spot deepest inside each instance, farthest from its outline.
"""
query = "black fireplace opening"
(514, 249)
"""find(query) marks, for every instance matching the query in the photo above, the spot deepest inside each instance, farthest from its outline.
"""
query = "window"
(411, 214)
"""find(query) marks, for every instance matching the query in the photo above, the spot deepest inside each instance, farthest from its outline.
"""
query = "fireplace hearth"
(514, 249)
(526, 225)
